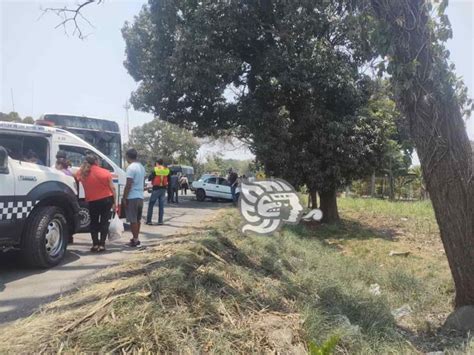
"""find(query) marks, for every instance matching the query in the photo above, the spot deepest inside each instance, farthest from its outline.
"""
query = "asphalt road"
(23, 290)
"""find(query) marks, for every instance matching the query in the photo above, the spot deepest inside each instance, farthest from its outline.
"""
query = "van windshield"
(108, 143)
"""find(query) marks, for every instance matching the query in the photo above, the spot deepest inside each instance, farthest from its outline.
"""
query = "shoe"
(101, 249)
(95, 248)
(134, 243)
(160, 223)
(149, 223)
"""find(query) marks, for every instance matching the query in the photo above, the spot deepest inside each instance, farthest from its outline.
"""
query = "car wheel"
(201, 195)
(45, 237)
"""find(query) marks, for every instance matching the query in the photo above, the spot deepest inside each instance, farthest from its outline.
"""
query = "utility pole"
(126, 128)
(32, 98)
(13, 102)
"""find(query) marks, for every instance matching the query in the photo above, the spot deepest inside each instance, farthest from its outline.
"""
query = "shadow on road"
(24, 289)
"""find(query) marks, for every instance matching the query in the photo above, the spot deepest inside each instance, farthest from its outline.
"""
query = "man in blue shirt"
(133, 194)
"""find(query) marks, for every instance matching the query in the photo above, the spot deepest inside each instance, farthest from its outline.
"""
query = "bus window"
(104, 135)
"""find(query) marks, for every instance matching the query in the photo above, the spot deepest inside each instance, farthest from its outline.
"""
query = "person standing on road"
(159, 180)
(133, 194)
(170, 189)
(233, 182)
(100, 194)
(174, 183)
(184, 184)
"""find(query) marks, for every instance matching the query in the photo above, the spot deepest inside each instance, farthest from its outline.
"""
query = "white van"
(21, 139)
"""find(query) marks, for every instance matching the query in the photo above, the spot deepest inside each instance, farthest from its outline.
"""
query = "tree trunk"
(313, 199)
(372, 185)
(383, 188)
(391, 182)
(328, 200)
(429, 102)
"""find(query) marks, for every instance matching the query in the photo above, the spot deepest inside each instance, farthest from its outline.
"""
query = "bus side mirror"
(3, 161)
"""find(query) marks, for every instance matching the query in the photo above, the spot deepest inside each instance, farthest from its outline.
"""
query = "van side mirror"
(3, 161)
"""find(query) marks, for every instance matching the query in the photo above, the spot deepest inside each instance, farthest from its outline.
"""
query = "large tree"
(433, 100)
(160, 139)
(283, 75)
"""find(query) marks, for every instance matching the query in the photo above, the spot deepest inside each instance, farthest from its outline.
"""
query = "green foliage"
(28, 119)
(284, 75)
(15, 117)
(327, 348)
(215, 163)
(407, 73)
(160, 139)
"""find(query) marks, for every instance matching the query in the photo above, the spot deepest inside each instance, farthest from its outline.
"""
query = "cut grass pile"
(221, 292)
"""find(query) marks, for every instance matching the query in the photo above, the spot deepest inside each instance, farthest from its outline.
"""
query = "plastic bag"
(116, 228)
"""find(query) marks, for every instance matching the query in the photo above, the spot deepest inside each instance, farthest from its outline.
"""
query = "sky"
(45, 70)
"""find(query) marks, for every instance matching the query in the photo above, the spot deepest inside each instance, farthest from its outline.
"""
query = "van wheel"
(45, 237)
(201, 195)
(84, 217)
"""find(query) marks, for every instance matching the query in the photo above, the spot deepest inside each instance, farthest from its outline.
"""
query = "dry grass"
(176, 298)
(221, 292)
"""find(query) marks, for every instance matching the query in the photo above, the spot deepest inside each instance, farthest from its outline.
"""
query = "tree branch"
(72, 15)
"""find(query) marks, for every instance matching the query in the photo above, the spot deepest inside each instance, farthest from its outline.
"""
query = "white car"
(213, 187)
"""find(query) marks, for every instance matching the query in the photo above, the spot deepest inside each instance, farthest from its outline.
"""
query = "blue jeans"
(157, 195)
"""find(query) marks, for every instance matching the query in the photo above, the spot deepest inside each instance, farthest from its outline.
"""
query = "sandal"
(95, 248)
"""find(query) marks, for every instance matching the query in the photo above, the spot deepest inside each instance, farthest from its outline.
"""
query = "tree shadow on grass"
(346, 229)
(192, 278)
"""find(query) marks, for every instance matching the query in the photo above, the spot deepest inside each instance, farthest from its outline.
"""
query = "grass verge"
(222, 292)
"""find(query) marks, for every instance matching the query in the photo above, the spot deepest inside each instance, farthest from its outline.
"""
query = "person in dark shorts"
(100, 194)
(133, 195)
